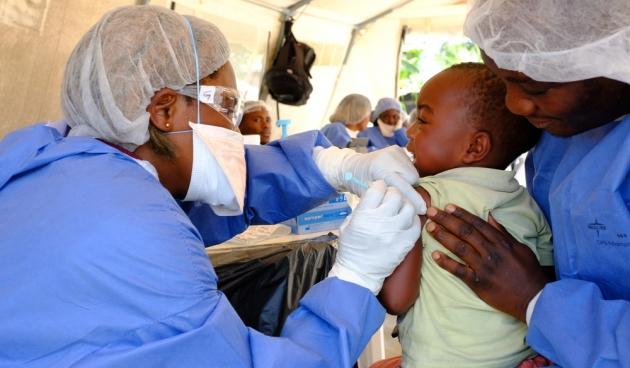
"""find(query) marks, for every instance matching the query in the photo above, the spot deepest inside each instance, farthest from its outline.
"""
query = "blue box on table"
(327, 216)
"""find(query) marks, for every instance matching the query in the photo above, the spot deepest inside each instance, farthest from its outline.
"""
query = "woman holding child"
(566, 69)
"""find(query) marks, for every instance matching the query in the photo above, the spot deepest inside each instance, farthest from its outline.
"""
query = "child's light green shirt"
(449, 326)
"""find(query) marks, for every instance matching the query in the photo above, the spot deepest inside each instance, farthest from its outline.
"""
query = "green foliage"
(455, 53)
(410, 75)
(418, 65)
(409, 63)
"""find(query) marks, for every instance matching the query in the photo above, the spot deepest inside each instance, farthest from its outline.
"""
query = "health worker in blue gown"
(566, 68)
(99, 265)
(350, 118)
(387, 130)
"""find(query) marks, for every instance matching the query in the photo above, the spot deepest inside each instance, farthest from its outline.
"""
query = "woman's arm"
(599, 328)
(400, 290)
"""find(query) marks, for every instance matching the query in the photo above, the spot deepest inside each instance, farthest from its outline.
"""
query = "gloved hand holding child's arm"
(390, 164)
(376, 237)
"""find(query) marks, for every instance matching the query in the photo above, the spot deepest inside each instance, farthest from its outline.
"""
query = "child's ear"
(479, 147)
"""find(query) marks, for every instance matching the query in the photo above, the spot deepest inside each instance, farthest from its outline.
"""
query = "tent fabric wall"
(33, 61)
(33, 58)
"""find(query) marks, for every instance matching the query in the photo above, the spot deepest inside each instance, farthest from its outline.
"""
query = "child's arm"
(400, 290)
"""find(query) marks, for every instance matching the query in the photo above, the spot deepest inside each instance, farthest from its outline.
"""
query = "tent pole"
(353, 37)
(264, 5)
(357, 28)
(382, 14)
(403, 35)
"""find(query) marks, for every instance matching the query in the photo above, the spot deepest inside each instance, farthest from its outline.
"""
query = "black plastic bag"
(265, 283)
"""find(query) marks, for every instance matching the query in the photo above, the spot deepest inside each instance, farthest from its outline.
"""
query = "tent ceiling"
(356, 11)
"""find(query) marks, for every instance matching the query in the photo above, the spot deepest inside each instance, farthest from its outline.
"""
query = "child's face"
(440, 136)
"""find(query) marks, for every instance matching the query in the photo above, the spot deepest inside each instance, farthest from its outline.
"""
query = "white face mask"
(386, 130)
(219, 171)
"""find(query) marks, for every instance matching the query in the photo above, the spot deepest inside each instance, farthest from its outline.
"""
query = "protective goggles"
(225, 100)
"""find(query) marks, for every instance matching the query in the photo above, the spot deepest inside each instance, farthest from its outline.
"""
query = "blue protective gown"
(582, 183)
(378, 140)
(282, 182)
(100, 267)
(337, 134)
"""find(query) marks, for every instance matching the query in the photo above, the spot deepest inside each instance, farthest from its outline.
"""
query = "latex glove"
(390, 164)
(376, 237)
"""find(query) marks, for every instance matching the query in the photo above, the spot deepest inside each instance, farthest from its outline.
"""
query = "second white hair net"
(251, 106)
(384, 104)
(119, 64)
(554, 41)
(351, 109)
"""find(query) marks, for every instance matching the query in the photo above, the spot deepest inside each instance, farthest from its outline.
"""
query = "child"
(463, 139)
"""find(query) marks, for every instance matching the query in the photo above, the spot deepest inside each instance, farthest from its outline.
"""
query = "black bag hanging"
(288, 78)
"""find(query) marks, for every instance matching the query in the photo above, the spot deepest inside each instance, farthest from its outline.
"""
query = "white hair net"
(119, 64)
(555, 40)
(384, 104)
(251, 106)
(352, 109)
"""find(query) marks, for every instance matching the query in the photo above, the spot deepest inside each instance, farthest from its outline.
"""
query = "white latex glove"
(376, 237)
(390, 164)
